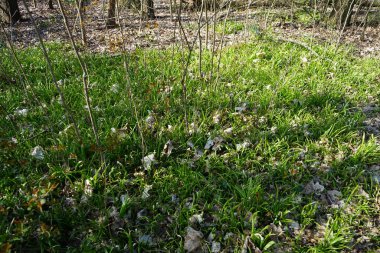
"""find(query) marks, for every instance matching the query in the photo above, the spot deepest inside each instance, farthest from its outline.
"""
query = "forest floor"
(271, 144)
(164, 31)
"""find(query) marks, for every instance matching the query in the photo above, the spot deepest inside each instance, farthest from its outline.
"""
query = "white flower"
(262, 120)
(304, 60)
(87, 188)
(228, 131)
(115, 88)
(244, 145)
(193, 128)
(216, 118)
(21, 112)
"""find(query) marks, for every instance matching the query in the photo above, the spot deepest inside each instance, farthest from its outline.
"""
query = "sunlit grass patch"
(270, 153)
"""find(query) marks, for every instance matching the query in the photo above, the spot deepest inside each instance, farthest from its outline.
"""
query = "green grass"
(303, 122)
(229, 27)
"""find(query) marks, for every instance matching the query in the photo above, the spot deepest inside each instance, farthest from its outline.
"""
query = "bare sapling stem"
(207, 27)
(23, 77)
(247, 15)
(80, 10)
(179, 17)
(365, 21)
(345, 24)
(50, 67)
(171, 10)
(185, 72)
(267, 14)
(213, 40)
(200, 38)
(222, 42)
(129, 87)
(85, 79)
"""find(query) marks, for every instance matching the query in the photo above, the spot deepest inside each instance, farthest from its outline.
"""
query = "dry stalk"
(129, 86)
(222, 41)
(365, 22)
(85, 79)
(200, 37)
(50, 67)
(186, 66)
(179, 19)
(23, 77)
(344, 25)
(80, 9)
(214, 41)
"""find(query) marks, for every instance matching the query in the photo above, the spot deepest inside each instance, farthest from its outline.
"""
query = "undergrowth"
(270, 154)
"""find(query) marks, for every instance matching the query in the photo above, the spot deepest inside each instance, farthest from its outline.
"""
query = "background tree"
(9, 11)
(342, 12)
(148, 9)
(111, 20)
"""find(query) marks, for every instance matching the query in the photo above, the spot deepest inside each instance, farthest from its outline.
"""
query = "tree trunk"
(148, 9)
(9, 11)
(342, 12)
(111, 20)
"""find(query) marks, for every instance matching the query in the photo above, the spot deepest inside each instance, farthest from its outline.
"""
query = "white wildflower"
(21, 112)
(228, 130)
(115, 88)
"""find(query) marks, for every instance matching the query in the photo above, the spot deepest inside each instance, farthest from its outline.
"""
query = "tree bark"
(9, 11)
(148, 10)
(111, 20)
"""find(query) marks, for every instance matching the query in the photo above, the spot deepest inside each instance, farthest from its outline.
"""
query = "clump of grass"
(285, 121)
(230, 27)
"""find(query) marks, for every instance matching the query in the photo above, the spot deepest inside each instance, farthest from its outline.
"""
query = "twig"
(129, 88)
(85, 81)
(50, 67)
(299, 43)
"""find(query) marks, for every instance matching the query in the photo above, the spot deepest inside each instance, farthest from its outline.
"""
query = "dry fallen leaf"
(168, 148)
(38, 153)
(193, 240)
(150, 120)
(148, 161)
(209, 144)
(242, 146)
(228, 131)
(196, 219)
(216, 247)
(145, 193)
(314, 187)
